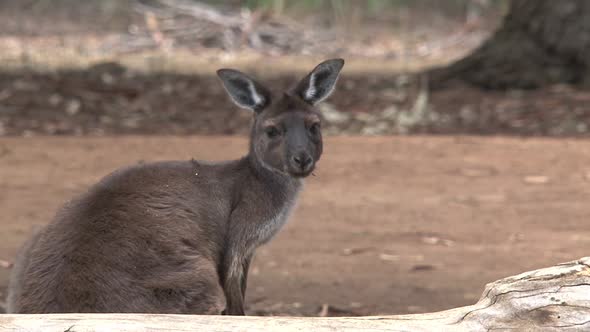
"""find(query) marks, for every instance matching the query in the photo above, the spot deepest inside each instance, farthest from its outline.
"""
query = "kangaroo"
(178, 236)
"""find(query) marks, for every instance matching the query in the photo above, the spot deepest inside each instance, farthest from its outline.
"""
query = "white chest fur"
(272, 225)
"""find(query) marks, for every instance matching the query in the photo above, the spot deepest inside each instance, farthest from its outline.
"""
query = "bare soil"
(388, 225)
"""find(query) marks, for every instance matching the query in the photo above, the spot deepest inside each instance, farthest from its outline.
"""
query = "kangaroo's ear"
(243, 90)
(319, 84)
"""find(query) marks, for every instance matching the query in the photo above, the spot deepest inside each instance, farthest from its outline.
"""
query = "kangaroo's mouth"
(298, 173)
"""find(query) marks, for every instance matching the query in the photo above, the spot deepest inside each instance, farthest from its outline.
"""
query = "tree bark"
(540, 42)
(551, 299)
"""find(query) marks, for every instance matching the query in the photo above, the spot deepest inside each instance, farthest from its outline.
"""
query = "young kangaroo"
(178, 236)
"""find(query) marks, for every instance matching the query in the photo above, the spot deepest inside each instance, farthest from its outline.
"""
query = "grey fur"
(177, 236)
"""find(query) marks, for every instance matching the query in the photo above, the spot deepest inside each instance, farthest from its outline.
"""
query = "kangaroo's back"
(17, 275)
(130, 244)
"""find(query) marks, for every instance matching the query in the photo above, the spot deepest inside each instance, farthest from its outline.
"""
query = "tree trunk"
(551, 299)
(540, 42)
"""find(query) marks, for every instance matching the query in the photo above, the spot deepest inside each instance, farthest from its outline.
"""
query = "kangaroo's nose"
(303, 161)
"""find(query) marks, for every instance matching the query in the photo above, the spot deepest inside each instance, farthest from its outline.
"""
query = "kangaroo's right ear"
(243, 90)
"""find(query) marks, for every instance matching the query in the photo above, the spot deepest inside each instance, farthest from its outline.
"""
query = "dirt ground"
(388, 225)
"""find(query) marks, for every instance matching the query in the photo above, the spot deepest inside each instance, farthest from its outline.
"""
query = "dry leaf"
(354, 251)
(355, 305)
(389, 258)
(6, 264)
(423, 267)
(536, 179)
(332, 311)
(477, 172)
(434, 240)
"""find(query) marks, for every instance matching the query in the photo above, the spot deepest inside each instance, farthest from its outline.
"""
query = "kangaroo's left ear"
(243, 90)
(319, 84)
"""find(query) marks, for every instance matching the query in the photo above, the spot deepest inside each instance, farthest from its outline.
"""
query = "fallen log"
(550, 299)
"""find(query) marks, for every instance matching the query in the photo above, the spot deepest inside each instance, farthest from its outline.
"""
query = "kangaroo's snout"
(302, 163)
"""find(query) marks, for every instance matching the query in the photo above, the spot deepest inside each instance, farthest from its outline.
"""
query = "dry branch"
(178, 23)
(550, 299)
(204, 12)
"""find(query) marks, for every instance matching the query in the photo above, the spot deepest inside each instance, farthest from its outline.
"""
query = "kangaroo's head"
(286, 135)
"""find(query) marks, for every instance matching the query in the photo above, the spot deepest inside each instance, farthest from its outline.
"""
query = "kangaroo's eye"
(315, 128)
(272, 132)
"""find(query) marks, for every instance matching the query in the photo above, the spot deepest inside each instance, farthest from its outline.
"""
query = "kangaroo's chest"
(271, 225)
(268, 217)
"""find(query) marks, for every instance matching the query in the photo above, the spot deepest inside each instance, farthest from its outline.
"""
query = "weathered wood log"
(550, 299)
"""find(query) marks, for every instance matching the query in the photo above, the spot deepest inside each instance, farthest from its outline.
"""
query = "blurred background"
(131, 67)
(455, 150)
